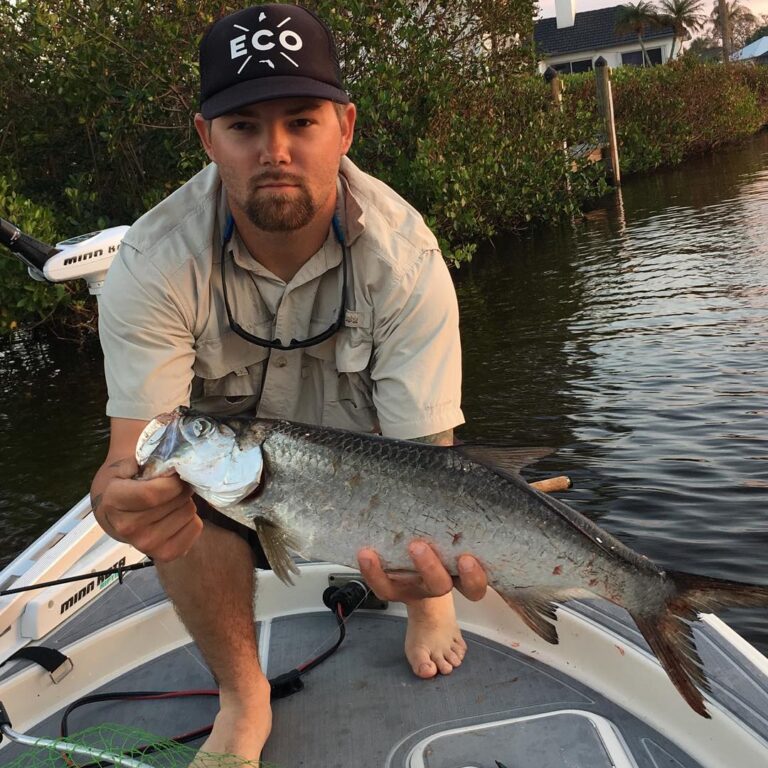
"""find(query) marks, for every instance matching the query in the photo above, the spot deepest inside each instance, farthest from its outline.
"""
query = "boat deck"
(363, 706)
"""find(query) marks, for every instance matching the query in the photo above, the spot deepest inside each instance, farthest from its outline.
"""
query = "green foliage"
(761, 31)
(755, 79)
(23, 298)
(97, 99)
(668, 113)
(665, 114)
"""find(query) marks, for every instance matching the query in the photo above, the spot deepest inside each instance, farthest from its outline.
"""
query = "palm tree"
(683, 16)
(728, 16)
(635, 17)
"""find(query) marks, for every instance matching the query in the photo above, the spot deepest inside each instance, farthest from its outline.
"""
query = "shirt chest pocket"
(229, 375)
(342, 365)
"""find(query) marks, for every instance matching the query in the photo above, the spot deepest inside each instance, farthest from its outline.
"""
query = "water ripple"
(636, 342)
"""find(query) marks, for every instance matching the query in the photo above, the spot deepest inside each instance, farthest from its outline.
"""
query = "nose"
(275, 148)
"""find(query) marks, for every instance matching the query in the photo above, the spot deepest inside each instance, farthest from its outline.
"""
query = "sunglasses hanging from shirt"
(295, 343)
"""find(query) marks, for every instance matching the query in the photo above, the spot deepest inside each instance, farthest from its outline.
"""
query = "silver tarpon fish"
(326, 493)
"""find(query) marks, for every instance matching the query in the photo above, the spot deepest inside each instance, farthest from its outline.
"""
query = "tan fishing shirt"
(395, 366)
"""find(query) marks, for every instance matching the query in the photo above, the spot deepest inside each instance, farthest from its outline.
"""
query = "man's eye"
(302, 122)
(242, 127)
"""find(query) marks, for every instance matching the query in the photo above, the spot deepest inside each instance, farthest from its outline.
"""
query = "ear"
(204, 128)
(347, 123)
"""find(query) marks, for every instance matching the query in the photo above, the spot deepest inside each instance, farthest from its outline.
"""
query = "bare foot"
(239, 732)
(433, 641)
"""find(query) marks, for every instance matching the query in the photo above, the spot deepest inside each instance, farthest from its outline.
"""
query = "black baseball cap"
(267, 52)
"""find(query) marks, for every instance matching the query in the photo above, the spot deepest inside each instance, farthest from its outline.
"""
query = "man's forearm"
(439, 438)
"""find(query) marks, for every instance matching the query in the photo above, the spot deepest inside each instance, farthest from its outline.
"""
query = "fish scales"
(326, 493)
(337, 492)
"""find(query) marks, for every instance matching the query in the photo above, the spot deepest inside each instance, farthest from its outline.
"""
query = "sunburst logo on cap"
(263, 40)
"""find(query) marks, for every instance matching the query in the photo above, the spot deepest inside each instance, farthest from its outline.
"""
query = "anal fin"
(537, 608)
(277, 544)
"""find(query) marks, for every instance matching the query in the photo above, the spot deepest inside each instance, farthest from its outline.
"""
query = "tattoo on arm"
(440, 438)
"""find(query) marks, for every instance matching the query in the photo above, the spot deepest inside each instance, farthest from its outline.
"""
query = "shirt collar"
(354, 224)
(328, 257)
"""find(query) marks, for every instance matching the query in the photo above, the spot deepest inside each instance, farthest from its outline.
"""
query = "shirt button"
(281, 362)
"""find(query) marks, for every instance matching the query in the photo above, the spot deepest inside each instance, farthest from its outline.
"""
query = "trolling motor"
(85, 256)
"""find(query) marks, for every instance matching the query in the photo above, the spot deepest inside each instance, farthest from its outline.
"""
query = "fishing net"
(125, 746)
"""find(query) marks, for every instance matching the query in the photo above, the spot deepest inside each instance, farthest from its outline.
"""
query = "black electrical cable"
(304, 668)
(145, 749)
(282, 685)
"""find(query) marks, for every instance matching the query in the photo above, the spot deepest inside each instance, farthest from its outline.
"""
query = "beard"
(279, 212)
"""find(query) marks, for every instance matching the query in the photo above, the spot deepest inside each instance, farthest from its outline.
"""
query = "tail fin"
(672, 639)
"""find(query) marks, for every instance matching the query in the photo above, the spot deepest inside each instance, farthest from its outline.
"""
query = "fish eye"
(198, 428)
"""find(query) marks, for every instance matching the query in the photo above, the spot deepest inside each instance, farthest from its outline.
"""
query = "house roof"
(592, 30)
(752, 51)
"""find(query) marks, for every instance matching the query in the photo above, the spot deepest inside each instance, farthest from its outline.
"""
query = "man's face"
(279, 159)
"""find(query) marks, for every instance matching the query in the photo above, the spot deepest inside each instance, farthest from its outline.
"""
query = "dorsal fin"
(601, 539)
(508, 458)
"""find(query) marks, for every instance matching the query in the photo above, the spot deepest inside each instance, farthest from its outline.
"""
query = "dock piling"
(605, 106)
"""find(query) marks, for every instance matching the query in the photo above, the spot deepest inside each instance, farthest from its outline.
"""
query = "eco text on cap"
(288, 40)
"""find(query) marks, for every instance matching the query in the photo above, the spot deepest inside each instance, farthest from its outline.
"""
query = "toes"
(422, 663)
(434, 649)
(427, 664)
(426, 669)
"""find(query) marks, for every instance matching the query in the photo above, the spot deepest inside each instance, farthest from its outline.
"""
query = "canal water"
(632, 342)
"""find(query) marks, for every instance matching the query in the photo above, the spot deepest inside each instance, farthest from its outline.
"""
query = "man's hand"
(430, 580)
(156, 516)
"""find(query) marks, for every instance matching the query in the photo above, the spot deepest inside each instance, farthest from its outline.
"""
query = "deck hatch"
(563, 739)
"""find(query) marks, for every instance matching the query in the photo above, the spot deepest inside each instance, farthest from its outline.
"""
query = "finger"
(373, 574)
(472, 581)
(124, 467)
(437, 581)
(129, 524)
(137, 495)
(397, 586)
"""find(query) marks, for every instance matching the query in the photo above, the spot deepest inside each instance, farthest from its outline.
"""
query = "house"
(756, 52)
(570, 42)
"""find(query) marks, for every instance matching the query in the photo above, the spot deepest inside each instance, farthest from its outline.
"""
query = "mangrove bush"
(97, 100)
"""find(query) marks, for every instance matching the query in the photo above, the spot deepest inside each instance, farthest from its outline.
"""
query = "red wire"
(177, 694)
(199, 692)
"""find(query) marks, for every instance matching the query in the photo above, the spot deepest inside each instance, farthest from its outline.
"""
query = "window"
(635, 58)
(585, 65)
(569, 67)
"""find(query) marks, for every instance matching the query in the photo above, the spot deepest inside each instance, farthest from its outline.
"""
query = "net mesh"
(132, 742)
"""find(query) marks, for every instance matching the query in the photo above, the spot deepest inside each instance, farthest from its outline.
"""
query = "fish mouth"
(157, 442)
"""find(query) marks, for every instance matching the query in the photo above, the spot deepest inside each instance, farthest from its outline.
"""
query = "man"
(280, 238)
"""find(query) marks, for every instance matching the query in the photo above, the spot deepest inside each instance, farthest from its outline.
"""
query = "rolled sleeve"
(146, 338)
(416, 368)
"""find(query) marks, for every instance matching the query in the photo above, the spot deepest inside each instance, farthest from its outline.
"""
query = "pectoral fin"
(536, 607)
(277, 544)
